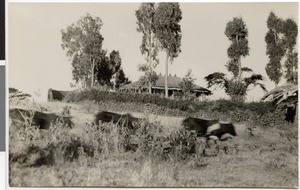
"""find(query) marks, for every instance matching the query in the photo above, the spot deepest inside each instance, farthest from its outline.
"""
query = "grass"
(85, 156)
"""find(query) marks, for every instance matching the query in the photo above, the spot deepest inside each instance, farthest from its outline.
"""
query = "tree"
(83, 43)
(109, 71)
(237, 86)
(291, 64)
(290, 32)
(168, 32)
(103, 71)
(188, 83)
(121, 79)
(149, 78)
(188, 86)
(275, 47)
(237, 33)
(114, 65)
(149, 47)
(237, 90)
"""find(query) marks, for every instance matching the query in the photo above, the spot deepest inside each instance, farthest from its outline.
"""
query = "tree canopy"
(168, 32)
(237, 86)
(237, 33)
(275, 47)
(149, 47)
(83, 44)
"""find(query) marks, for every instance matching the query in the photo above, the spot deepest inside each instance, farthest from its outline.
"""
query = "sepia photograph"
(153, 94)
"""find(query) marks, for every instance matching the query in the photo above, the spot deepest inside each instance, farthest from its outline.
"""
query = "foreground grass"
(266, 158)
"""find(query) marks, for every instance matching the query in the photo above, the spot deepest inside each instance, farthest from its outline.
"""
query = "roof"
(173, 83)
(282, 93)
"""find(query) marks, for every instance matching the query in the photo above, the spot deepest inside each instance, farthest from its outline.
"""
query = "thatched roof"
(285, 93)
(173, 84)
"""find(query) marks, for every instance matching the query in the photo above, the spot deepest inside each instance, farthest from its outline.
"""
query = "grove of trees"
(160, 27)
(83, 44)
(159, 24)
(281, 41)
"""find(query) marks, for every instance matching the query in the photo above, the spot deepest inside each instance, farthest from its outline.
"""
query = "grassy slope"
(269, 159)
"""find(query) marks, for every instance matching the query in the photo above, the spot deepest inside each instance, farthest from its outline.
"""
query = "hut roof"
(173, 84)
(286, 92)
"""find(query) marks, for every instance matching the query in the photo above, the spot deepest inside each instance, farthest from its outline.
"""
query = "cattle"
(123, 119)
(219, 129)
(198, 125)
(21, 117)
(290, 113)
(57, 95)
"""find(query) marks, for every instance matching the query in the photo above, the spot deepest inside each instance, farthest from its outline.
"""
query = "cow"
(57, 95)
(19, 117)
(198, 125)
(290, 113)
(123, 119)
(219, 129)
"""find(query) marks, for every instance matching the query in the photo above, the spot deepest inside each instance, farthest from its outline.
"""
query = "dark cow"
(219, 129)
(198, 125)
(19, 117)
(122, 119)
(57, 95)
(290, 113)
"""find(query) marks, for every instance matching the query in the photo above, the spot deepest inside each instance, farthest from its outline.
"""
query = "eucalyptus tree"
(149, 47)
(83, 42)
(237, 33)
(290, 32)
(168, 32)
(275, 47)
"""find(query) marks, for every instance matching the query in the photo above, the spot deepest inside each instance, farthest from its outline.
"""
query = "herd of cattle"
(203, 127)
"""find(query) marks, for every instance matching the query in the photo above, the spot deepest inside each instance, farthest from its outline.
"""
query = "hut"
(159, 87)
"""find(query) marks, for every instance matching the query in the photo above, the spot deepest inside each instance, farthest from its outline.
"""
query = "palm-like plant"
(237, 90)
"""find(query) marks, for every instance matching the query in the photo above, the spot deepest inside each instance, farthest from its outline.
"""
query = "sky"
(37, 61)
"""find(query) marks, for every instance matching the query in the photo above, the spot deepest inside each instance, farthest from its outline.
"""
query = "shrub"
(255, 113)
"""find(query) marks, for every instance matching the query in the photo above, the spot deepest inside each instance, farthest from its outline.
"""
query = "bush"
(255, 113)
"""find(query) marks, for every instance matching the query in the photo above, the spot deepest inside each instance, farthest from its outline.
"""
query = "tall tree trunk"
(292, 66)
(93, 66)
(240, 69)
(239, 63)
(166, 77)
(114, 81)
(150, 62)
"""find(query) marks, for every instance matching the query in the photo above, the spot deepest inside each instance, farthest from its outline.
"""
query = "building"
(159, 87)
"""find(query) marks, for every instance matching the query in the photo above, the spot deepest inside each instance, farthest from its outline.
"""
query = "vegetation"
(159, 154)
(168, 32)
(237, 33)
(237, 86)
(188, 86)
(235, 89)
(159, 151)
(258, 114)
(149, 46)
(275, 47)
(291, 63)
(83, 42)
(281, 41)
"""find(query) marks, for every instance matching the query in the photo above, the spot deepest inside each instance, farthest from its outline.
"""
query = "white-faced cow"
(219, 129)
(21, 117)
(198, 125)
